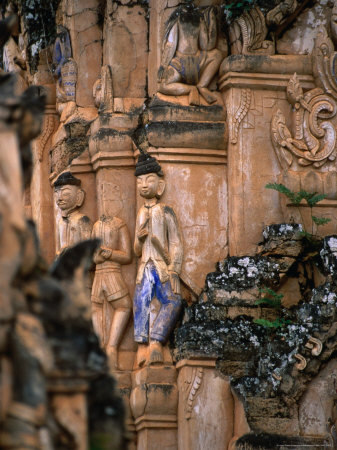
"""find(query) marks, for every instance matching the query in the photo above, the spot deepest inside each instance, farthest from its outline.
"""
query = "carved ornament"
(192, 388)
(245, 100)
(314, 139)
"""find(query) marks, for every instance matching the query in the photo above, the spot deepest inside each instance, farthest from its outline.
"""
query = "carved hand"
(105, 253)
(175, 282)
(142, 234)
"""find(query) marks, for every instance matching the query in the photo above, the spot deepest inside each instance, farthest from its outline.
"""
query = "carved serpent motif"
(315, 136)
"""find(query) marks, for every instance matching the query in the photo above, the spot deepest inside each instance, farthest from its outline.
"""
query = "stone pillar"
(111, 155)
(203, 420)
(190, 145)
(154, 402)
(251, 99)
(41, 196)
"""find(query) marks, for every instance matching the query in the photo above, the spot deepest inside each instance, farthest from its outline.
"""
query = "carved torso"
(72, 229)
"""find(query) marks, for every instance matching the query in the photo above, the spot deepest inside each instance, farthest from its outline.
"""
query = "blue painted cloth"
(163, 324)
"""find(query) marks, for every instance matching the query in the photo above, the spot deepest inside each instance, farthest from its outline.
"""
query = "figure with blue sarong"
(159, 248)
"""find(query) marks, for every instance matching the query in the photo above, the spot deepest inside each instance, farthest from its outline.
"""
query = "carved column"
(251, 98)
(111, 154)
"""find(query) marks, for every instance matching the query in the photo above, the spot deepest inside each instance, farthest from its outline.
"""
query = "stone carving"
(111, 303)
(65, 69)
(158, 245)
(324, 60)
(73, 226)
(277, 15)
(191, 54)
(314, 141)
(315, 345)
(47, 130)
(248, 34)
(192, 388)
(103, 91)
(246, 95)
(302, 362)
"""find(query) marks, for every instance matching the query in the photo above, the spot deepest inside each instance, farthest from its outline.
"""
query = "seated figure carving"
(191, 56)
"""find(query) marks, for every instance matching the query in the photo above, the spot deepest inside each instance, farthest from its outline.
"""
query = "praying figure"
(73, 226)
(111, 303)
(159, 248)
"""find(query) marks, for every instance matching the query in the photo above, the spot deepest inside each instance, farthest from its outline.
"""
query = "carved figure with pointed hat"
(159, 248)
(73, 226)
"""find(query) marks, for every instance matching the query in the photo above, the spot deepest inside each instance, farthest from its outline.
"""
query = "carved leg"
(97, 320)
(156, 352)
(119, 323)
(213, 61)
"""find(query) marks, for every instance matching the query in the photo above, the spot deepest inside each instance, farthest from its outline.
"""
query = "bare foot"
(207, 94)
(141, 355)
(156, 352)
(193, 97)
(112, 355)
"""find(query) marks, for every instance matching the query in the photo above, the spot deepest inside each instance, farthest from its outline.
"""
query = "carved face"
(68, 197)
(150, 185)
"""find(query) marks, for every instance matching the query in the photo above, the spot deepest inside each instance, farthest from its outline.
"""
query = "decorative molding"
(192, 387)
(272, 81)
(189, 155)
(245, 100)
(49, 126)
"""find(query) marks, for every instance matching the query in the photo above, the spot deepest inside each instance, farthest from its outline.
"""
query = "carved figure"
(158, 245)
(73, 226)
(190, 57)
(110, 294)
(65, 69)
(103, 91)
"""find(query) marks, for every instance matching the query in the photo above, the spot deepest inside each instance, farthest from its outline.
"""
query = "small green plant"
(273, 300)
(296, 197)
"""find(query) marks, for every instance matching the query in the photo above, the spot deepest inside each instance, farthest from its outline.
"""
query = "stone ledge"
(156, 421)
(189, 155)
(262, 81)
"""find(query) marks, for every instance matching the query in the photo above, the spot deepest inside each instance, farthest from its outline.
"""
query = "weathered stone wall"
(226, 98)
